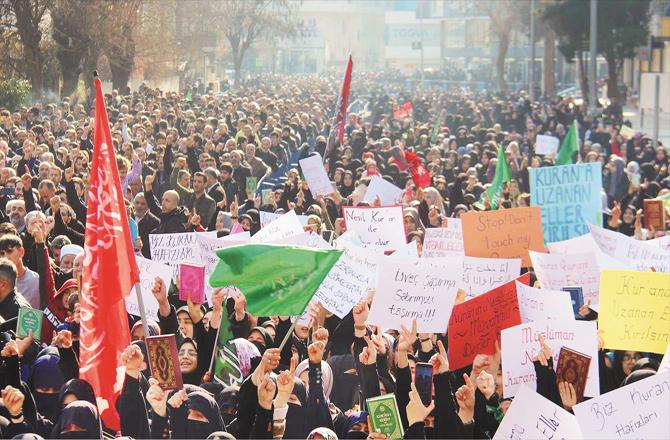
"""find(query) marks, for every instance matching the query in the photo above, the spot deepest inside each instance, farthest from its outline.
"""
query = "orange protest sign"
(504, 233)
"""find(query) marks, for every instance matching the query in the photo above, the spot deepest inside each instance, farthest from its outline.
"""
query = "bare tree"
(505, 16)
(25, 19)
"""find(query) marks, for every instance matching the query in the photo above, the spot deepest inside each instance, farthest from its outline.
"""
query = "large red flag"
(109, 273)
(339, 120)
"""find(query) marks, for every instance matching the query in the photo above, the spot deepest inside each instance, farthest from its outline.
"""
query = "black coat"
(146, 226)
(173, 221)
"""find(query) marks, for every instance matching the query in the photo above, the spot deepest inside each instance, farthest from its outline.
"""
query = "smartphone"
(423, 380)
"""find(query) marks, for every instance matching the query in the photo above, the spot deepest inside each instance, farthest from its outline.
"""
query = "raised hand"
(13, 400)
(266, 392)
(439, 361)
(157, 398)
(360, 312)
(269, 361)
(132, 359)
(10, 349)
(178, 399)
(63, 339)
(465, 397)
(486, 384)
(568, 395)
(369, 354)
(416, 411)
(160, 293)
(545, 352)
(315, 351)
(285, 384)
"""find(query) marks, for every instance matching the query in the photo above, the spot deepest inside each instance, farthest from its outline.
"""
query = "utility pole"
(593, 47)
(531, 80)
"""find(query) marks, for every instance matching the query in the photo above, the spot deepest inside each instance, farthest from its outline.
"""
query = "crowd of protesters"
(184, 160)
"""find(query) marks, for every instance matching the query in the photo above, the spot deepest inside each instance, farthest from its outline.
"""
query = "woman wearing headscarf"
(45, 381)
(615, 180)
(412, 220)
(191, 369)
(79, 419)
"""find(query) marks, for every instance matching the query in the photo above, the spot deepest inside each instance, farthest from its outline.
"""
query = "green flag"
(225, 363)
(569, 146)
(501, 176)
(277, 280)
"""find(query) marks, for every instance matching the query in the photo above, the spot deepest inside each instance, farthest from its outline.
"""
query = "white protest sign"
(173, 249)
(410, 250)
(388, 193)
(541, 304)
(207, 251)
(482, 274)
(532, 416)
(411, 289)
(316, 241)
(586, 243)
(443, 242)
(149, 270)
(546, 144)
(348, 238)
(638, 410)
(269, 217)
(641, 255)
(316, 176)
(555, 271)
(380, 228)
(665, 362)
(241, 237)
(348, 280)
(661, 242)
(284, 226)
(626, 132)
(521, 343)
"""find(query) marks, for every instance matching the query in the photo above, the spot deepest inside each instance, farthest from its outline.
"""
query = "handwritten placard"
(521, 344)
(269, 217)
(443, 242)
(638, 410)
(533, 417)
(316, 176)
(475, 325)
(639, 254)
(555, 271)
(546, 144)
(542, 304)
(504, 233)
(348, 281)
(149, 270)
(388, 193)
(411, 289)
(635, 310)
(284, 226)
(380, 228)
(173, 249)
(570, 198)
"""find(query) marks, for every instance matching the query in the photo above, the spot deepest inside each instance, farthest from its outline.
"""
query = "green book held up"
(29, 319)
(384, 416)
(252, 184)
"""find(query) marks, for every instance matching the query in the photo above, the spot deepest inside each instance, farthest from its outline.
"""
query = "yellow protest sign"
(635, 310)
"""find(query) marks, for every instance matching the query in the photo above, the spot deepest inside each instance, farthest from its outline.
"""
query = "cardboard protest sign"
(475, 325)
(546, 144)
(388, 193)
(626, 132)
(661, 242)
(532, 416)
(444, 242)
(380, 228)
(542, 304)
(348, 281)
(149, 270)
(411, 289)
(482, 274)
(555, 271)
(638, 254)
(521, 344)
(284, 226)
(410, 250)
(638, 410)
(316, 176)
(269, 217)
(583, 244)
(504, 233)
(570, 199)
(635, 310)
(172, 249)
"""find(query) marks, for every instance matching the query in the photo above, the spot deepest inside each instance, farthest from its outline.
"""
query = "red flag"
(109, 273)
(419, 172)
(339, 120)
(403, 111)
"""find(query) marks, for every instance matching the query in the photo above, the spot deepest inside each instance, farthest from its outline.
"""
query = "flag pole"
(143, 315)
(288, 334)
